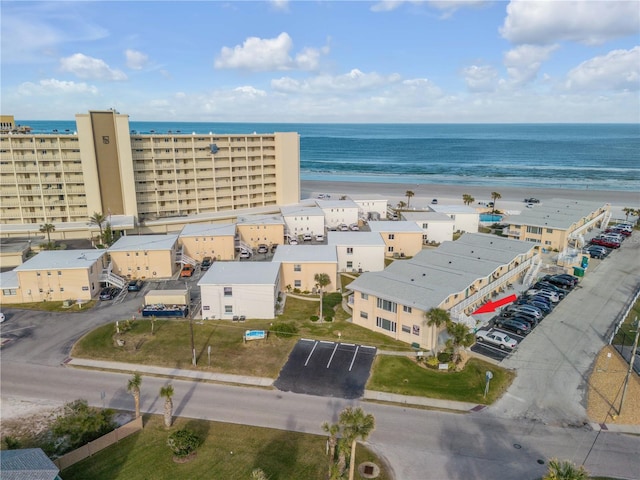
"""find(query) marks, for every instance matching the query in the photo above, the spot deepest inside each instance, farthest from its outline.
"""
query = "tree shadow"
(270, 459)
(185, 399)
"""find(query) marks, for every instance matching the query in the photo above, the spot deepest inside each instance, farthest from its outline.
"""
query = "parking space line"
(332, 354)
(311, 353)
(349, 344)
(326, 341)
(354, 357)
(307, 340)
(368, 346)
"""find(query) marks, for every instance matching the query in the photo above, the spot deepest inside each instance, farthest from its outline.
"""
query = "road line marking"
(354, 357)
(332, 354)
(310, 353)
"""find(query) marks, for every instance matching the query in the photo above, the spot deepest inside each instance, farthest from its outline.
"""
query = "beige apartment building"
(301, 263)
(145, 256)
(63, 177)
(215, 240)
(401, 238)
(254, 230)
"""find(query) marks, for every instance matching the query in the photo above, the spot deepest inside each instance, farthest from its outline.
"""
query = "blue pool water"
(489, 217)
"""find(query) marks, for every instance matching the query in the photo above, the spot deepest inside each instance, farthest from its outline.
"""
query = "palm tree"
(48, 228)
(133, 387)
(166, 392)
(467, 199)
(565, 470)
(495, 196)
(98, 219)
(258, 474)
(409, 194)
(332, 429)
(459, 333)
(628, 211)
(401, 204)
(322, 280)
(355, 425)
(437, 317)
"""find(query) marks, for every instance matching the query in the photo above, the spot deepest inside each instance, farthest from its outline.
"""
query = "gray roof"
(555, 213)
(9, 279)
(132, 243)
(336, 204)
(27, 464)
(241, 273)
(261, 219)
(293, 210)
(209, 230)
(354, 238)
(363, 197)
(426, 216)
(306, 254)
(427, 279)
(390, 226)
(61, 260)
(453, 209)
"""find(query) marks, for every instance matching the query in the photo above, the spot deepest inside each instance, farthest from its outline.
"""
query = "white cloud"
(136, 60)
(282, 5)
(524, 61)
(618, 70)
(51, 86)
(588, 22)
(353, 81)
(448, 6)
(480, 78)
(84, 66)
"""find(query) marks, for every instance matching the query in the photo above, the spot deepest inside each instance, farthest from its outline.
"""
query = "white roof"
(453, 209)
(295, 210)
(9, 279)
(556, 213)
(427, 216)
(241, 273)
(132, 243)
(118, 222)
(392, 226)
(355, 238)
(209, 230)
(324, 204)
(363, 197)
(62, 259)
(306, 254)
(261, 219)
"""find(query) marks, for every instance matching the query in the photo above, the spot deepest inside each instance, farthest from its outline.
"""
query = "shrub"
(332, 299)
(444, 357)
(432, 361)
(183, 442)
(328, 319)
(284, 330)
(314, 318)
(81, 424)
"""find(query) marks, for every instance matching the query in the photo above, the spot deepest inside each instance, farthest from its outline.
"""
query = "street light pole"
(630, 371)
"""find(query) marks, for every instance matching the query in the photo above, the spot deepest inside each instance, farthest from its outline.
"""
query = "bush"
(328, 319)
(81, 424)
(284, 330)
(183, 442)
(432, 362)
(444, 357)
(332, 299)
(314, 318)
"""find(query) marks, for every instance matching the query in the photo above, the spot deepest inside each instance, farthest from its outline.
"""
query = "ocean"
(572, 156)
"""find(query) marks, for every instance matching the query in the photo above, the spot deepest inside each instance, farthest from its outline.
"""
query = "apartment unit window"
(406, 329)
(387, 305)
(425, 226)
(228, 291)
(364, 315)
(391, 236)
(297, 283)
(406, 309)
(228, 309)
(364, 296)
(547, 242)
(9, 291)
(48, 274)
(85, 289)
(62, 289)
(349, 250)
(59, 272)
(386, 324)
(349, 264)
(536, 230)
(390, 249)
(297, 267)
(37, 274)
(549, 230)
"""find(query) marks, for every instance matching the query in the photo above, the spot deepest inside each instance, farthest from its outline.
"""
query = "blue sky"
(464, 61)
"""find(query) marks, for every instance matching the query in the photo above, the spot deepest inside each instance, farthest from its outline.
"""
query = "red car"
(605, 243)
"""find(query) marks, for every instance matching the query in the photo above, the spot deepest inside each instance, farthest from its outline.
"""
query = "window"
(549, 230)
(297, 283)
(364, 315)
(406, 329)
(387, 305)
(297, 267)
(406, 309)
(48, 274)
(536, 230)
(391, 236)
(349, 264)
(547, 242)
(349, 250)
(205, 307)
(364, 296)
(59, 272)
(425, 226)
(9, 291)
(62, 289)
(228, 309)
(85, 289)
(385, 324)
(390, 249)
(228, 291)
(37, 274)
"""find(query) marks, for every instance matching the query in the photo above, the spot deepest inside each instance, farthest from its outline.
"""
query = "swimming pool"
(490, 217)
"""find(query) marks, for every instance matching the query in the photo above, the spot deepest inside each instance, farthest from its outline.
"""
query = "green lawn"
(229, 451)
(54, 306)
(403, 376)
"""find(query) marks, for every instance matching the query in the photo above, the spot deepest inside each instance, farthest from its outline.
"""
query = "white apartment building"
(371, 207)
(339, 212)
(437, 227)
(105, 167)
(301, 219)
(358, 251)
(466, 219)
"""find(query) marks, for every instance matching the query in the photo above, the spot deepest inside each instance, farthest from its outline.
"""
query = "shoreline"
(452, 194)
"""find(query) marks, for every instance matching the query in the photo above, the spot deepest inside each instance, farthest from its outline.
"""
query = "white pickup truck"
(497, 339)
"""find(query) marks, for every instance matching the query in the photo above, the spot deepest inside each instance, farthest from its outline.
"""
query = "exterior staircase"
(107, 276)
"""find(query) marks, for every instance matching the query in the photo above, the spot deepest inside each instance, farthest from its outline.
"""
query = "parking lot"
(327, 369)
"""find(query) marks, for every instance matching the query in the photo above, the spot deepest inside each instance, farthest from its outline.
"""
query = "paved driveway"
(327, 369)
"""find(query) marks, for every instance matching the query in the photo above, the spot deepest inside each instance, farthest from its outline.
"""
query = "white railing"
(108, 276)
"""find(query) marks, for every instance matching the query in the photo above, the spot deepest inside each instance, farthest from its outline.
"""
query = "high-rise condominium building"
(105, 167)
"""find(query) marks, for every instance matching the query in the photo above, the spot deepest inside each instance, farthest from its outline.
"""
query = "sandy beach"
(511, 197)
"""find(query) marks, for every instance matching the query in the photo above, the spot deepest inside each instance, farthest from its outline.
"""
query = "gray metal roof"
(132, 243)
(555, 213)
(261, 219)
(61, 260)
(9, 279)
(391, 226)
(354, 238)
(209, 230)
(306, 254)
(294, 210)
(426, 216)
(241, 273)
(427, 279)
(27, 464)
(324, 204)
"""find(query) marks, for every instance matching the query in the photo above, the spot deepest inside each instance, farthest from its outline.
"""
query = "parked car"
(206, 263)
(550, 286)
(245, 254)
(558, 281)
(2, 317)
(532, 292)
(522, 316)
(539, 304)
(307, 237)
(514, 325)
(262, 248)
(531, 200)
(320, 237)
(605, 242)
(354, 227)
(498, 339)
(619, 231)
(187, 271)
(293, 241)
(109, 293)
(343, 227)
(135, 285)
(528, 309)
(529, 320)
(434, 201)
(596, 251)
(573, 279)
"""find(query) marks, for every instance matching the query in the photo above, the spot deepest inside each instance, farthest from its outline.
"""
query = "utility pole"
(633, 357)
